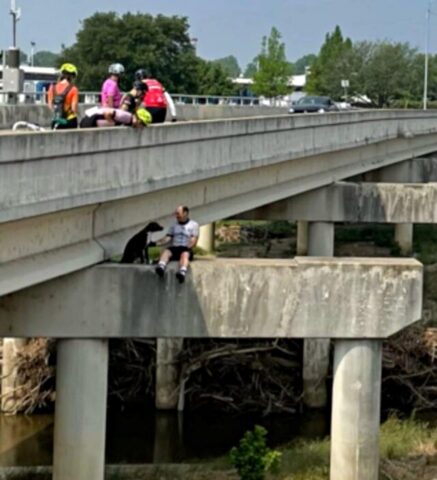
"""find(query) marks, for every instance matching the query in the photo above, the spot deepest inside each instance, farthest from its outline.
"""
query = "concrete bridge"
(70, 200)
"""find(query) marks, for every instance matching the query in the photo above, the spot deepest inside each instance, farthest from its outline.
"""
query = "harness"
(59, 113)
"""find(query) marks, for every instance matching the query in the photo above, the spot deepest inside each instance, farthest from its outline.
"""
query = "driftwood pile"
(236, 376)
(409, 377)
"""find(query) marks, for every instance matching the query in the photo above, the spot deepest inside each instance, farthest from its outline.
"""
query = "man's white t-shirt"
(182, 233)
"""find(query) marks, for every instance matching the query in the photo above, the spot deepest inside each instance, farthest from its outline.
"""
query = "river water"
(164, 437)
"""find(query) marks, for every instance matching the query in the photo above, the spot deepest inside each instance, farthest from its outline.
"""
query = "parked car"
(313, 104)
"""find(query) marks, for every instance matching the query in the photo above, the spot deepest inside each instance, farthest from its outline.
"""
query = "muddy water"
(135, 438)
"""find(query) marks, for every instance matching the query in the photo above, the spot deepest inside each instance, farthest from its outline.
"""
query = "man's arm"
(163, 241)
(171, 105)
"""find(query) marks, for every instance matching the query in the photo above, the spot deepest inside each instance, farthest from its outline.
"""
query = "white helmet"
(116, 69)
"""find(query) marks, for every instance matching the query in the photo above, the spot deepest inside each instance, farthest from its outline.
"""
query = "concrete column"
(167, 373)
(404, 237)
(168, 443)
(316, 352)
(9, 379)
(404, 172)
(356, 410)
(302, 238)
(206, 237)
(80, 414)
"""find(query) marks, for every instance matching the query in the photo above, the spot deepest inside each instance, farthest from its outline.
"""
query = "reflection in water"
(164, 437)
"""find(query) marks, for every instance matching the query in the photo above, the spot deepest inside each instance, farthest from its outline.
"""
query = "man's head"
(181, 213)
(140, 89)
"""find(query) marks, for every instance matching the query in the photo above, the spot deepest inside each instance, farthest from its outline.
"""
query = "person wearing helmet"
(156, 100)
(111, 117)
(133, 99)
(63, 98)
(111, 94)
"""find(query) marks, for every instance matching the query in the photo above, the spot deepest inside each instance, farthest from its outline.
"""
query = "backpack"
(59, 114)
(155, 94)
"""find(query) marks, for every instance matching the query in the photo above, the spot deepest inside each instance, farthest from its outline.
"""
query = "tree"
(229, 65)
(251, 69)
(44, 58)
(162, 44)
(389, 71)
(332, 64)
(272, 76)
(213, 80)
(300, 65)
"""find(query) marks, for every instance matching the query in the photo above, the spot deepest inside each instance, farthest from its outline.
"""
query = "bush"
(252, 458)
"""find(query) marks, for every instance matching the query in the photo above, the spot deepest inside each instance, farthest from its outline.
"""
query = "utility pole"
(32, 53)
(16, 14)
(425, 80)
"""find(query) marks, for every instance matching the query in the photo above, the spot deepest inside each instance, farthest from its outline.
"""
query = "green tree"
(213, 79)
(162, 44)
(300, 65)
(251, 69)
(332, 64)
(229, 65)
(388, 72)
(45, 58)
(272, 76)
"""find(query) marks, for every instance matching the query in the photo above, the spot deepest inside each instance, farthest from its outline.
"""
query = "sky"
(233, 27)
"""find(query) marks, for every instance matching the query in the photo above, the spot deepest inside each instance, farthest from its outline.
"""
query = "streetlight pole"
(32, 53)
(425, 80)
(16, 13)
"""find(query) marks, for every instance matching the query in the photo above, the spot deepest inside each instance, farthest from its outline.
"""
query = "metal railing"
(93, 98)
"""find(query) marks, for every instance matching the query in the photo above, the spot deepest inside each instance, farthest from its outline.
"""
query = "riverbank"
(408, 452)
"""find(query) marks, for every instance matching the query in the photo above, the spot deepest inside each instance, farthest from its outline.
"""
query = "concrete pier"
(80, 415)
(316, 351)
(206, 237)
(9, 380)
(404, 237)
(356, 410)
(302, 238)
(167, 373)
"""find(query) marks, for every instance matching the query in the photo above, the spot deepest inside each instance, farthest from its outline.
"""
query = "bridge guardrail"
(92, 98)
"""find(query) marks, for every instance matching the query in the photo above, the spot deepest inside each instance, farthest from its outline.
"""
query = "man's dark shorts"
(177, 251)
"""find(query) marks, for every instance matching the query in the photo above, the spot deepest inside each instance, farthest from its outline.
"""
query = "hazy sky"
(225, 27)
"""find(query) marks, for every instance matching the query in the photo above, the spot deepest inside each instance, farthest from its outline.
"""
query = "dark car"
(312, 104)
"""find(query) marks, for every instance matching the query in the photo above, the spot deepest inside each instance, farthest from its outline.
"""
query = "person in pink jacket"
(111, 94)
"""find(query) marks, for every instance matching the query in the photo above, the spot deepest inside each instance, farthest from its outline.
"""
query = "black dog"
(136, 247)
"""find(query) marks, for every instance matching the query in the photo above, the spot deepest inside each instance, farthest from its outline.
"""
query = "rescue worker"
(156, 100)
(110, 93)
(133, 99)
(112, 117)
(63, 98)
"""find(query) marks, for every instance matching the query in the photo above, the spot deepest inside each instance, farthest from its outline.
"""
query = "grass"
(400, 439)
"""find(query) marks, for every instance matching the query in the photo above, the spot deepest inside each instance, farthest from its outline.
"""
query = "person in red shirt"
(63, 98)
(156, 100)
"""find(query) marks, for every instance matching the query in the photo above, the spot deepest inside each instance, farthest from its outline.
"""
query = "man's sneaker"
(180, 275)
(160, 270)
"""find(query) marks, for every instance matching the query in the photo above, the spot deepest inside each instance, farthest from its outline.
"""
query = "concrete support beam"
(356, 202)
(167, 373)
(302, 238)
(304, 297)
(80, 414)
(404, 237)
(206, 237)
(9, 379)
(316, 352)
(356, 410)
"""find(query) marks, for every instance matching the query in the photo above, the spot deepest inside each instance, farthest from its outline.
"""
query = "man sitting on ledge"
(182, 236)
